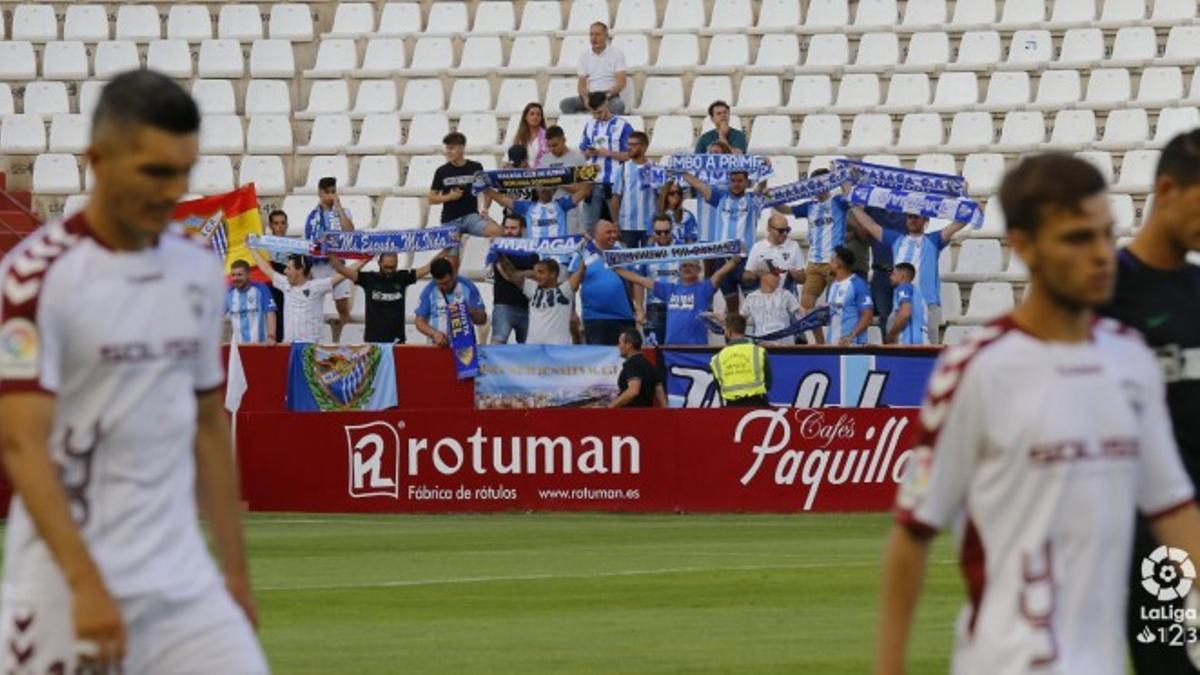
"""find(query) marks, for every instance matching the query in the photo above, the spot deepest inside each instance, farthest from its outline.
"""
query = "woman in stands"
(531, 133)
(670, 202)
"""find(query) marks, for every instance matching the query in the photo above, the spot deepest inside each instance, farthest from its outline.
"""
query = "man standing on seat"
(329, 216)
(601, 75)
(633, 202)
(605, 144)
(452, 189)
(737, 218)
(384, 292)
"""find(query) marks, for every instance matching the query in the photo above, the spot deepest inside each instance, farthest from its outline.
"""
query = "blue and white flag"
(547, 376)
(958, 209)
(808, 188)
(368, 244)
(462, 341)
(521, 179)
(280, 245)
(623, 257)
(324, 378)
(908, 180)
(711, 169)
(525, 248)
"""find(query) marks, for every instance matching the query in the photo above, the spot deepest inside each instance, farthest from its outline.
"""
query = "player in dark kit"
(1158, 293)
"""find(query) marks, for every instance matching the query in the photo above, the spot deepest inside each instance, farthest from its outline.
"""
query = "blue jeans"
(881, 296)
(573, 105)
(595, 208)
(472, 224)
(605, 331)
(507, 319)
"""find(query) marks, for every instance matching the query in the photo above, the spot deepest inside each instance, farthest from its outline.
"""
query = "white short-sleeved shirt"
(601, 69)
(303, 307)
(784, 257)
(124, 341)
(1041, 452)
(549, 313)
(769, 312)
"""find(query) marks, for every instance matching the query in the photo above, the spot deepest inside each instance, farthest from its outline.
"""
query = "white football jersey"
(1041, 453)
(124, 341)
(303, 307)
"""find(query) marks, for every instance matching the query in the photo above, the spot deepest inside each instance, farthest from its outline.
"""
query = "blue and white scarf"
(812, 321)
(525, 248)
(374, 243)
(808, 188)
(711, 169)
(909, 180)
(921, 193)
(637, 256)
(284, 246)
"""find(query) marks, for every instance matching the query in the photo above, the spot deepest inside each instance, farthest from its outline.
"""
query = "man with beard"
(384, 292)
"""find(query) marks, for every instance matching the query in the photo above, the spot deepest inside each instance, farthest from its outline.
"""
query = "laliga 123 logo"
(1168, 573)
(374, 457)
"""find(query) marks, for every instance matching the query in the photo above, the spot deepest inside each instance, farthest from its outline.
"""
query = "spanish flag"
(224, 221)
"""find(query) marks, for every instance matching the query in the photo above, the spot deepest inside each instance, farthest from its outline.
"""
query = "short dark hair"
(276, 212)
(845, 255)
(597, 99)
(555, 131)
(1048, 181)
(908, 269)
(518, 153)
(633, 337)
(735, 323)
(818, 172)
(148, 98)
(438, 269)
(300, 262)
(327, 183)
(737, 171)
(454, 138)
(240, 264)
(1180, 159)
(550, 264)
(712, 107)
(641, 136)
(660, 217)
(509, 215)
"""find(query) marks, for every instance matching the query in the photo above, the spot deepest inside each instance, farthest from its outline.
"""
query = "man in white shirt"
(601, 69)
(1038, 438)
(304, 297)
(112, 424)
(551, 302)
(776, 254)
(770, 308)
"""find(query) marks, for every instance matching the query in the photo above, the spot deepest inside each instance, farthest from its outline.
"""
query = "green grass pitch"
(556, 593)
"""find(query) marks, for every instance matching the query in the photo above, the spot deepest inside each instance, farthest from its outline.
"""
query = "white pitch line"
(551, 577)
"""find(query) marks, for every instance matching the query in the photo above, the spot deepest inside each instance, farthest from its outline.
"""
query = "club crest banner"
(547, 376)
(340, 378)
(711, 169)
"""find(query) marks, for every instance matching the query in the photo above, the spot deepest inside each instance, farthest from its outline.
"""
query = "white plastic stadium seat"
(17, 61)
(928, 51)
(777, 53)
(908, 92)
(826, 14)
(1134, 45)
(321, 166)
(480, 55)
(979, 257)
(978, 50)
(1171, 12)
(272, 58)
(970, 131)
(1007, 90)
(1067, 12)
(170, 57)
(89, 95)
(266, 173)
(1022, 131)
(661, 95)
(1073, 129)
(138, 23)
(956, 91)
(46, 98)
(425, 133)
(66, 60)
(771, 135)
(1174, 121)
(827, 52)
(706, 89)
(1058, 89)
(530, 54)
(636, 16)
(330, 134)
(335, 58)
(727, 53)
(239, 22)
(1023, 14)
(470, 95)
(377, 175)
(384, 57)
(1082, 48)
(268, 97)
(1125, 129)
(875, 14)
(447, 18)
(584, 13)
(86, 23)
(920, 132)
(924, 14)
(876, 52)
(1183, 45)
(22, 135)
(420, 175)
(35, 23)
(269, 134)
(433, 54)
(1122, 12)
(988, 300)
(379, 133)
(810, 93)
(544, 16)
(858, 92)
(291, 21)
(731, 16)
(215, 97)
(514, 94)
(423, 96)
(327, 97)
(115, 57)
(870, 132)
(481, 130)
(221, 58)
(635, 47)
(400, 213)
(352, 19)
(70, 133)
(1108, 88)
(778, 15)
(684, 15)
(677, 53)
(55, 174)
(190, 23)
(983, 172)
(211, 174)
(221, 134)
(1029, 48)
(1137, 171)
(759, 94)
(1160, 85)
(820, 133)
(399, 19)
(974, 13)
(1101, 160)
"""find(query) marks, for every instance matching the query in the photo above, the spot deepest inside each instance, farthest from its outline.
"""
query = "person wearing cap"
(687, 299)
(741, 369)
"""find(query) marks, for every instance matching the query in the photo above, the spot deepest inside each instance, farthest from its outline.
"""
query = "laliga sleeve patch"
(18, 350)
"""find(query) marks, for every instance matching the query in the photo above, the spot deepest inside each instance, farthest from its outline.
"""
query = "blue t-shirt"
(737, 216)
(247, 312)
(637, 200)
(434, 303)
(847, 301)
(685, 304)
(686, 229)
(916, 332)
(660, 271)
(922, 253)
(602, 290)
(826, 226)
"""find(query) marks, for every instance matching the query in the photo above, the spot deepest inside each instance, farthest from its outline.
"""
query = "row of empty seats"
(293, 21)
(676, 53)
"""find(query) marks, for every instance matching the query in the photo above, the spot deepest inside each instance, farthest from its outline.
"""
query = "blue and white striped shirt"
(707, 219)
(686, 229)
(611, 134)
(321, 220)
(826, 226)
(544, 219)
(737, 216)
(921, 252)
(637, 201)
(247, 312)
(916, 332)
(847, 301)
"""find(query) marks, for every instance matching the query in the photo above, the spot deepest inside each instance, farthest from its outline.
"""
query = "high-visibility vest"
(740, 371)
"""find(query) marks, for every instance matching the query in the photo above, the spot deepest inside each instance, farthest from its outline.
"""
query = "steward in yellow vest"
(741, 369)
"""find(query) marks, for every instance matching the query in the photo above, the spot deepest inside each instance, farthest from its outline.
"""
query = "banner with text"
(547, 376)
(656, 460)
(810, 378)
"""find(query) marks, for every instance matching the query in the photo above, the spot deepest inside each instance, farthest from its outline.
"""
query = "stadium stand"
(292, 91)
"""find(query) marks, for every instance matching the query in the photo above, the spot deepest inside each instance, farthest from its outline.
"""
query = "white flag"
(235, 380)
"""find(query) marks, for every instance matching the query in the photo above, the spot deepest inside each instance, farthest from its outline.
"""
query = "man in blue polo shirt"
(606, 307)
(687, 299)
(918, 248)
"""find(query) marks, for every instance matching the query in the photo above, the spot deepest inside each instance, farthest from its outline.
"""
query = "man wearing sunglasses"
(663, 234)
(776, 254)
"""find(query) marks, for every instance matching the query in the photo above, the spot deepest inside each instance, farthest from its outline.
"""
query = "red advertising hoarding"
(772, 460)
